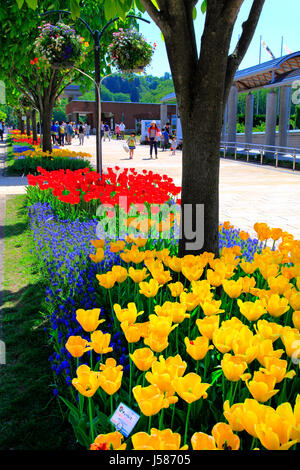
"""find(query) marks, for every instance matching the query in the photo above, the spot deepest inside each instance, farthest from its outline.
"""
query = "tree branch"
(153, 12)
(238, 54)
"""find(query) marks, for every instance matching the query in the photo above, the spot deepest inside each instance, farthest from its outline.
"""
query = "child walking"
(131, 142)
(174, 146)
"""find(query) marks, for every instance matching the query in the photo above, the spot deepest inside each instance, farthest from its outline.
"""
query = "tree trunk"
(34, 127)
(46, 117)
(21, 124)
(28, 123)
(200, 186)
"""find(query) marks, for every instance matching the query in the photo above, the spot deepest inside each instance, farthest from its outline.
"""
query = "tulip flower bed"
(29, 161)
(78, 194)
(204, 350)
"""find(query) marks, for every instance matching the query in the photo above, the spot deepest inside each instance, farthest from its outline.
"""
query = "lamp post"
(96, 35)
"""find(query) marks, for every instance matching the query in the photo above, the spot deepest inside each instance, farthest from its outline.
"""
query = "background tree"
(43, 84)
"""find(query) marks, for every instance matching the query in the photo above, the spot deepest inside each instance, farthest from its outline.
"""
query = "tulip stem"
(149, 424)
(187, 423)
(130, 371)
(111, 405)
(161, 419)
(173, 416)
(91, 420)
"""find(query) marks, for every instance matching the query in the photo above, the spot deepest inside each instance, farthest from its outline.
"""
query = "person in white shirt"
(122, 130)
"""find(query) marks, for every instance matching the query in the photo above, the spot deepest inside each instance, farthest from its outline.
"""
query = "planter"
(130, 52)
(59, 46)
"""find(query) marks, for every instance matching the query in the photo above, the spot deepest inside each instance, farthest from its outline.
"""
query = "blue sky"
(279, 18)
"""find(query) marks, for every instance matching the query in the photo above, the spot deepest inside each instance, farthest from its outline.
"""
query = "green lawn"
(30, 416)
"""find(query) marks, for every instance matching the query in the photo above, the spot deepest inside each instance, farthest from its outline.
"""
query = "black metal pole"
(98, 102)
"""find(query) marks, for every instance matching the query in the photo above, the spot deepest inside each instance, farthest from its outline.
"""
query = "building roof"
(279, 72)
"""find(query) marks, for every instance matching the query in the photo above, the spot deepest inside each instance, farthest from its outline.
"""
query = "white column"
(232, 114)
(249, 118)
(284, 115)
(270, 137)
(163, 114)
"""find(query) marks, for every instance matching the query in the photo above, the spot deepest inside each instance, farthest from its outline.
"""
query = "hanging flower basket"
(130, 52)
(60, 46)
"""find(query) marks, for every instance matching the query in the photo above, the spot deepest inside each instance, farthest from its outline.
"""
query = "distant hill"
(140, 89)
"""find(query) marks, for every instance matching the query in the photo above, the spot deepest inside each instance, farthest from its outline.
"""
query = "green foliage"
(3, 116)
(297, 117)
(29, 165)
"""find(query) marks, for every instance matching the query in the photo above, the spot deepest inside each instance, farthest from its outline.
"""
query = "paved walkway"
(10, 185)
(248, 193)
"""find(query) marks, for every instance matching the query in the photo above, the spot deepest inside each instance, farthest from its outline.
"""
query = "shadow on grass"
(30, 416)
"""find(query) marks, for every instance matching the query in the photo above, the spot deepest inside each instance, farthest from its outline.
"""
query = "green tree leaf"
(194, 13)
(32, 4)
(204, 6)
(20, 3)
(75, 8)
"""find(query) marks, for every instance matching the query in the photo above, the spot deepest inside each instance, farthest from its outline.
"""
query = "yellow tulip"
(265, 348)
(99, 256)
(261, 386)
(98, 243)
(137, 275)
(100, 342)
(173, 263)
(110, 379)
(116, 247)
(270, 439)
(149, 289)
(175, 288)
(160, 326)
(296, 319)
(233, 288)
(233, 367)
(89, 319)
(215, 278)
(156, 343)
(198, 348)
(128, 314)
(278, 285)
(120, 273)
(248, 267)
(107, 280)
(160, 376)
(291, 341)
(140, 242)
(157, 440)
(176, 366)
(77, 346)
(234, 415)
(132, 331)
(143, 358)
(190, 388)
(87, 381)
(294, 301)
(192, 273)
(150, 399)
(222, 439)
(162, 277)
(190, 300)
(252, 310)
(110, 441)
(208, 325)
(223, 339)
(243, 345)
(268, 270)
(175, 310)
(277, 368)
(211, 307)
(248, 284)
(268, 330)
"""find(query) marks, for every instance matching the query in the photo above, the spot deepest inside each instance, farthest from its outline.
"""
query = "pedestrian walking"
(61, 134)
(117, 131)
(131, 142)
(174, 145)
(153, 134)
(54, 132)
(81, 133)
(106, 132)
(122, 130)
(166, 138)
(87, 130)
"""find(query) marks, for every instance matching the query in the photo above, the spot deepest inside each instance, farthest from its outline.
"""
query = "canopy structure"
(283, 74)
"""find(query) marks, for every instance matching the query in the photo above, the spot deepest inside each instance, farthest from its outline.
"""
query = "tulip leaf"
(71, 407)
